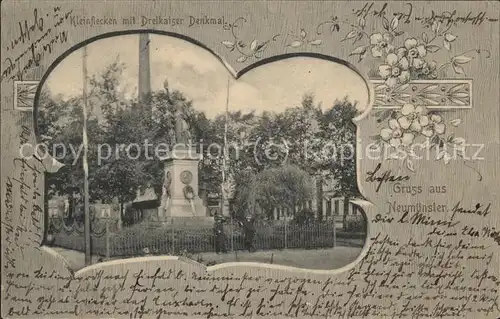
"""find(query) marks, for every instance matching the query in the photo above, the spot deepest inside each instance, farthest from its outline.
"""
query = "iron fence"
(174, 236)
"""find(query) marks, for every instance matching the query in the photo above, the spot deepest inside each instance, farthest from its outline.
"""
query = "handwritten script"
(35, 38)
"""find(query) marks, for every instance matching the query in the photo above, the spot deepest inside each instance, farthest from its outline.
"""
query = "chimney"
(144, 68)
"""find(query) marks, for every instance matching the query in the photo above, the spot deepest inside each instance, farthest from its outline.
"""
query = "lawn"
(328, 258)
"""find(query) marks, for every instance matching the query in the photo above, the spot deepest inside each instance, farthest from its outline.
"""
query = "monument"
(180, 189)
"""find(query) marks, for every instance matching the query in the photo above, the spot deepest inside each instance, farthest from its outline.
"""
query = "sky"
(203, 78)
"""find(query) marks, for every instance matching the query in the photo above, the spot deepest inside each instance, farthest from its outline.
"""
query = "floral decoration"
(301, 39)
(407, 59)
(401, 58)
(246, 49)
(412, 128)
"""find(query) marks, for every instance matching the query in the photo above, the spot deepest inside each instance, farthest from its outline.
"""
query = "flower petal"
(459, 141)
(436, 118)
(396, 142)
(424, 120)
(401, 52)
(407, 138)
(404, 122)
(440, 128)
(386, 134)
(418, 109)
(392, 59)
(446, 158)
(422, 51)
(407, 109)
(376, 38)
(403, 63)
(385, 70)
(404, 77)
(415, 126)
(427, 131)
(377, 51)
(391, 82)
(418, 63)
(388, 37)
(393, 124)
(410, 43)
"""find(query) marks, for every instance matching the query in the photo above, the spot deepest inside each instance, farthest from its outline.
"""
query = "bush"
(356, 225)
(304, 217)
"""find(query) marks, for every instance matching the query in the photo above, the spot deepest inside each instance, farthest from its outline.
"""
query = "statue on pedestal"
(181, 133)
(180, 194)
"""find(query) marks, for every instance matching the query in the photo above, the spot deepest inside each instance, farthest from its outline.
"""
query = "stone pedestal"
(180, 191)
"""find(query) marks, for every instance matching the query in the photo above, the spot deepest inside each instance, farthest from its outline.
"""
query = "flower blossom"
(381, 43)
(414, 52)
(430, 70)
(395, 71)
(412, 118)
(395, 135)
(437, 125)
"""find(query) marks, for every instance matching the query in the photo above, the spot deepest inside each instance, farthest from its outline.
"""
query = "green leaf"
(359, 50)
(253, 45)
(361, 22)
(394, 23)
(435, 26)
(450, 37)
(228, 44)
(241, 59)
(295, 44)
(447, 45)
(385, 23)
(433, 48)
(425, 38)
(461, 59)
(409, 165)
(458, 69)
(350, 35)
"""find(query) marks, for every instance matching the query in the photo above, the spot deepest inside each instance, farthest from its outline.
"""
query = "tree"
(336, 125)
(110, 120)
(286, 186)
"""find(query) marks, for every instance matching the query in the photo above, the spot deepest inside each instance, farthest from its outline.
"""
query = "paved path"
(330, 258)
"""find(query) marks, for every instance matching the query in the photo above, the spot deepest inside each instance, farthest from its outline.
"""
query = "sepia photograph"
(249, 159)
(176, 155)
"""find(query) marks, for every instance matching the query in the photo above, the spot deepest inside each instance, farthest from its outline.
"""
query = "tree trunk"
(120, 217)
(270, 215)
(71, 207)
(346, 211)
(319, 197)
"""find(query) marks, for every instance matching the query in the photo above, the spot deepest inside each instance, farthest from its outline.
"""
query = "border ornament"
(433, 94)
(24, 95)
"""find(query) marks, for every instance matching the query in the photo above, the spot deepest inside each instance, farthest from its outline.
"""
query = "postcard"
(250, 159)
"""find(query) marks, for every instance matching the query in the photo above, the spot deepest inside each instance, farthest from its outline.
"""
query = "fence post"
(334, 233)
(107, 240)
(173, 237)
(286, 234)
(232, 233)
